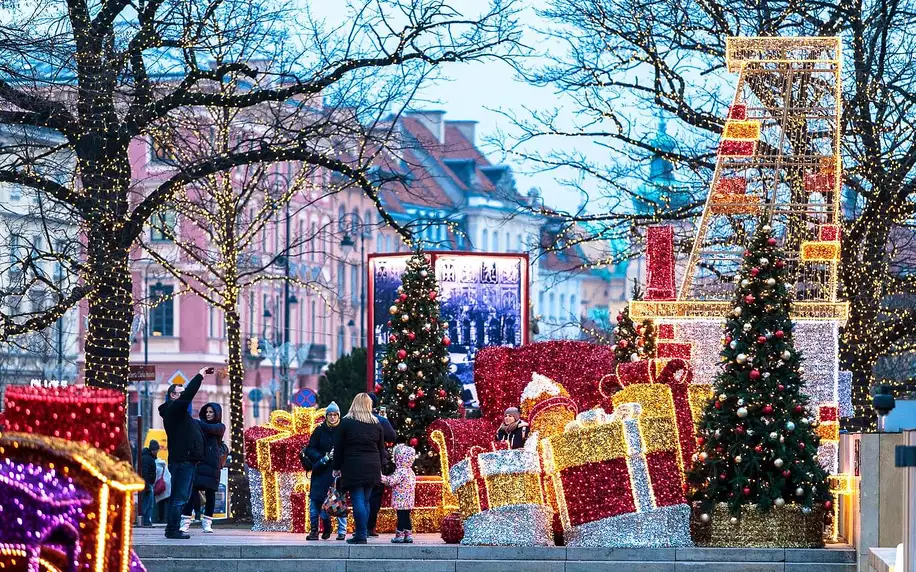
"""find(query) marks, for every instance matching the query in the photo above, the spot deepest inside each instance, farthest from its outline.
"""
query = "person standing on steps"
(375, 501)
(186, 448)
(148, 470)
(210, 420)
(320, 452)
(359, 451)
(403, 483)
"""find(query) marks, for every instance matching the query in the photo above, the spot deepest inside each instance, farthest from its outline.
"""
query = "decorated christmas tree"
(633, 341)
(416, 389)
(757, 443)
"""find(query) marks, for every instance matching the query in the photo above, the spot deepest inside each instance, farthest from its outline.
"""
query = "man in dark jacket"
(391, 436)
(148, 472)
(186, 447)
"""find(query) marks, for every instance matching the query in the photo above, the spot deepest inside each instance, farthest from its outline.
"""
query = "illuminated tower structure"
(779, 165)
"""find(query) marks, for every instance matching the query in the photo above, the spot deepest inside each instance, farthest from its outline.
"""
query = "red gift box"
(732, 148)
(731, 185)
(829, 232)
(738, 111)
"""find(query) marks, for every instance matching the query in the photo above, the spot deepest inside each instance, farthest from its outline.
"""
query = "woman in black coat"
(208, 471)
(359, 450)
(320, 451)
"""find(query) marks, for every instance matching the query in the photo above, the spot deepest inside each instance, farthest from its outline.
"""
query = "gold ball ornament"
(393, 310)
(404, 317)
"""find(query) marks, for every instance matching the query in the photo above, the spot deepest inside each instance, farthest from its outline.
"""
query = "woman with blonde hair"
(359, 450)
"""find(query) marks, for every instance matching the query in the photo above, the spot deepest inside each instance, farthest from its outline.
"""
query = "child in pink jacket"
(403, 483)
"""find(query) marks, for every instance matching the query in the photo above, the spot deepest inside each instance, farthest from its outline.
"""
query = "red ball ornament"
(739, 429)
(780, 387)
(755, 271)
(700, 441)
(717, 405)
(414, 441)
(392, 338)
(433, 294)
(446, 341)
(720, 449)
(798, 409)
(755, 374)
(442, 393)
(378, 387)
(761, 339)
(779, 334)
(411, 404)
(779, 264)
(747, 491)
(828, 505)
(786, 473)
(758, 449)
(801, 446)
(623, 343)
(402, 354)
(767, 409)
(771, 241)
(749, 299)
(420, 393)
(389, 323)
(722, 476)
(747, 253)
(402, 298)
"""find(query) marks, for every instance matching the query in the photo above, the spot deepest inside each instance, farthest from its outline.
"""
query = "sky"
(479, 91)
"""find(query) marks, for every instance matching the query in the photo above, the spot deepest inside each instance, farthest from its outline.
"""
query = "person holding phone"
(185, 447)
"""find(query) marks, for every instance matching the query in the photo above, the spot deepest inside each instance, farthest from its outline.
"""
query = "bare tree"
(624, 59)
(102, 74)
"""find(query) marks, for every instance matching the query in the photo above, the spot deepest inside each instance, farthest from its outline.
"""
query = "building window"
(553, 307)
(366, 220)
(341, 219)
(484, 243)
(163, 225)
(354, 285)
(15, 248)
(354, 340)
(563, 308)
(162, 314)
(251, 324)
(340, 341)
(495, 241)
(15, 192)
(508, 246)
(314, 328)
(572, 307)
(313, 236)
(162, 152)
(379, 243)
(520, 247)
(341, 280)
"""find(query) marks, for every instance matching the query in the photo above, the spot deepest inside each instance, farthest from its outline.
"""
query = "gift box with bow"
(500, 496)
(274, 470)
(618, 479)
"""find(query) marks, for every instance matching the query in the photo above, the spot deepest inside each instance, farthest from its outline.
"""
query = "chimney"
(466, 128)
(431, 119)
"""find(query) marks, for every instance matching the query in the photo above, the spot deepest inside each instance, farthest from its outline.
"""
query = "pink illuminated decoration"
(738, 111)
(660, 263)
(829, 232)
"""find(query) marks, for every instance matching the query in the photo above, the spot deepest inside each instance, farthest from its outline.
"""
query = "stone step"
(479, 565)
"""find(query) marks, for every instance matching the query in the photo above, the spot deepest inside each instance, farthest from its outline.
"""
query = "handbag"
(223, 454)
(335, 503)
(159, 487)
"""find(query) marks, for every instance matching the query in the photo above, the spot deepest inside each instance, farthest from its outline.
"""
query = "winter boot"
(398, 537)
(206, 523)
(185, 523)
(408, 537)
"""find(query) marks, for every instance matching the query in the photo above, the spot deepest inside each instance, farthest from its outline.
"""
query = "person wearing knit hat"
(513, 429)
(320, 451)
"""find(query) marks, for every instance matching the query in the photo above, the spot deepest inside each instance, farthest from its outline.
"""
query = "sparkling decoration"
(75, 413)
(742, 412)
(784, 526)
(512, 525)
(53, 486)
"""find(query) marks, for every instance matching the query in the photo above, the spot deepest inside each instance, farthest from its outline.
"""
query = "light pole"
(349, 245)
(280, 181)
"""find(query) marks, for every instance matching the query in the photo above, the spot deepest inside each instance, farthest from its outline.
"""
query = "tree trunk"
(236, 389)
(110, 310)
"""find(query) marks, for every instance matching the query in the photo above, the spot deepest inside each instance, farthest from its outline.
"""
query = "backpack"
(159, 487)
(223, 454)
(304, 460)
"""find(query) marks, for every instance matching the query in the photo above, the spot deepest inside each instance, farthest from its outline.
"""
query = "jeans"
(375, 505)
(315, 513)
(359, 499)
(146, 505)
(194, 504)
(404, 520)
(182, 483)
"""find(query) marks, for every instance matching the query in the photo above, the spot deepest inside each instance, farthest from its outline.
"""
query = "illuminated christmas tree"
(757, 442)
(633, 341)
(417, 389)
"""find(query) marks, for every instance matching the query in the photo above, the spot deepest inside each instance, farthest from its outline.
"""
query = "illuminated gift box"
(741, 130)
(500, 497)
(274, 470)
(663, 387)
(618, 480)
(822, 182)
(66, 506)
(733, 148)
(428, 510)
(731, 185)
(738, 111)
(734, 204)
(829, 232)
(820, 251)
(75, 413)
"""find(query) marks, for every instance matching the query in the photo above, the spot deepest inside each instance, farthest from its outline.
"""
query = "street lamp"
(349, 245)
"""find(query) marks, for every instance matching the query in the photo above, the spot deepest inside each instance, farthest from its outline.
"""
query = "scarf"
(328, 421)
(510, 427)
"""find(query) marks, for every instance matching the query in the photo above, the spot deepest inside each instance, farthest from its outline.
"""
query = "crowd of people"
(347, 457)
